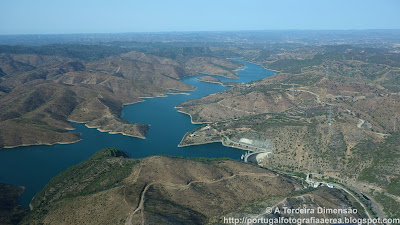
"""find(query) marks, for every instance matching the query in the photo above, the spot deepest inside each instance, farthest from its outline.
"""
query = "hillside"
(10, 211)
(110, 188)
(43, 88)
(338, 118)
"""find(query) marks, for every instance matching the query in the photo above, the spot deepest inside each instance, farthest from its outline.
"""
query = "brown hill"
(312, 123)
(42, 93)
(212, 66)
(112, 189)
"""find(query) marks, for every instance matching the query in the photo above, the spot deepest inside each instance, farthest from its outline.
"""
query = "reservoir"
(34, 166)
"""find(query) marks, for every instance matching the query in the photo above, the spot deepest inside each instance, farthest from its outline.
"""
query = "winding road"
(182, 186)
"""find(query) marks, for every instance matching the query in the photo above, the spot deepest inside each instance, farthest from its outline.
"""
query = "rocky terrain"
(210, 79)
(331, 110)
(213, 66)
(318, 120)
(41, 93)
(110, 188)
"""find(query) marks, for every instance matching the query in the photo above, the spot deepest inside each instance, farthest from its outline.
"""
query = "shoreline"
(241, 68)
(218, 75)
(113, 132)
(209, 142)
(277, 71)
(265, 67)
(198, 123)
(141, 99)
(186, 145)
(46, 144)
(217, 82)
(191, 119)
(211, 82)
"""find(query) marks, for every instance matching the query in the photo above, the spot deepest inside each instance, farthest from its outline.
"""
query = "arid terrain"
(40, 94)
(339, 118)
(331, 111)
(110, 188)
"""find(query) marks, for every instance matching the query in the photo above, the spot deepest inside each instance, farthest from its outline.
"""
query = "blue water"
(34, 166)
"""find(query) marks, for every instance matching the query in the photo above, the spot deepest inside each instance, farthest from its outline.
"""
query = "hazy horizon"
(100, 17)
(202, 31)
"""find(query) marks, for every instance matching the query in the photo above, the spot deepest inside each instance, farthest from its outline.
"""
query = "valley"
(184, 112)
(42, 94)
(327, 118)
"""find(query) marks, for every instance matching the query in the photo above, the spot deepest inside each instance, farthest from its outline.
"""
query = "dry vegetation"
(292, 110)
(112, 189)
(40, 94)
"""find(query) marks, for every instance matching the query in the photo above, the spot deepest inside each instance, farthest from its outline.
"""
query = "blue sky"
(106, 16)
